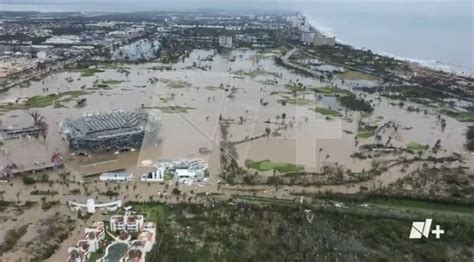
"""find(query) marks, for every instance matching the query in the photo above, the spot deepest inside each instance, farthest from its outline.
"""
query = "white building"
(91, 206)
(155, 176)
(90, 242)
(225, 41)
(127, 222)
(64, 40)
(116, 176)
(307, 37)
(324, 41)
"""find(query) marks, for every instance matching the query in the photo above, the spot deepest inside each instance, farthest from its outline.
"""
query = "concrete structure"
(225, 41)
(143, 244)
(108, 131)
(307, 37)
(155, 176)
(324, 41)
(89, 242)
(63, 40)
(91, 206)
(116, 176)
(127, 222)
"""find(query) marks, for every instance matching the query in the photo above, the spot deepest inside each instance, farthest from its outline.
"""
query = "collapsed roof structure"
(115, 130)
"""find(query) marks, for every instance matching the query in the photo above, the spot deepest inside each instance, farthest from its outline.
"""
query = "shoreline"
(432, 64)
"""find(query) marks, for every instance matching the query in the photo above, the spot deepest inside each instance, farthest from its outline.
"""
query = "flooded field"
(307, 127)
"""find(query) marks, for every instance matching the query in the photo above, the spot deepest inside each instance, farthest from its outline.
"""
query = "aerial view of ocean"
(438, 33)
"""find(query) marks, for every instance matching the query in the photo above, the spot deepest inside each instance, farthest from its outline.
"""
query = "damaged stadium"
(109, 131)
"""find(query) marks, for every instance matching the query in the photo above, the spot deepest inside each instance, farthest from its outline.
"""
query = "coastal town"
(157, 136)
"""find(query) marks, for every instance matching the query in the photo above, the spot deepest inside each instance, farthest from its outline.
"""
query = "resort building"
(90, 242)
(225, 41)
(126, 222)
(324, 41)
(307, 37)
(143, 244)
(91, 206)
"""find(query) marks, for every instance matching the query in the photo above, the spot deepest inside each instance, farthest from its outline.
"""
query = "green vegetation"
(420, 204)
(325, 111)
(251, 74)
(355, 104)
(356, 75)
(86, 72)
(470, 138)
(43, 193)
(162, 68)
(174, 109)
(460, 116)
(28, 180)
(3, 204)
(252, 227)
(365, 134)
(293, 100)
(112, 66)
(11, 238)
(326, 90)
(111, 82)
(414, 147)
(266, 165)
(44, 101)
(175, 83)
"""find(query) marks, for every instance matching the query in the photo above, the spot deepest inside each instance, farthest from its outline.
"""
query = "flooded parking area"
(274, 114)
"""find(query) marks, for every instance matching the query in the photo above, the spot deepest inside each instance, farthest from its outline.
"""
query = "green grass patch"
(365, 134)
(326, 90)
(111, 82)
(112, 66)
(325, 111)
(44, 101)
(266, 165)
(460, 116)
(356, 75)
(86, 72)
(251, 74)
(293, 100)
(175, 83)
(413, 146)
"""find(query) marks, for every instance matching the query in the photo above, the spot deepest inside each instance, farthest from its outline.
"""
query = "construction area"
(116, 130)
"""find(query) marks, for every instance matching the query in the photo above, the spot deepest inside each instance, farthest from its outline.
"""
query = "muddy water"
(208, 95)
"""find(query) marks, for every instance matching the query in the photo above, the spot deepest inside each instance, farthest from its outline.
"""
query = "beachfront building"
(89, 242)
(225, 41)
(126, 249)
(307, 37)
(127, 222)
(143, 244)
(324, 41)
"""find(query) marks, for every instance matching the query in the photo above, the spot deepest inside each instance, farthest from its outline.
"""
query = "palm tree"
(319, 156)
(36, 116)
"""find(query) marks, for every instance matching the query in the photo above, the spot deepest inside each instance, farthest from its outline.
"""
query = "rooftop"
(97, 125)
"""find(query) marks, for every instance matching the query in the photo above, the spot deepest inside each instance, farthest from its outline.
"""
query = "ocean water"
(435, 33)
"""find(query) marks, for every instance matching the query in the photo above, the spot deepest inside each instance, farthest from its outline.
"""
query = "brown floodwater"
(218, 91)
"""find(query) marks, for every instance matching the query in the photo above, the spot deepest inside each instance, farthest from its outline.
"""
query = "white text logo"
(422, 229)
